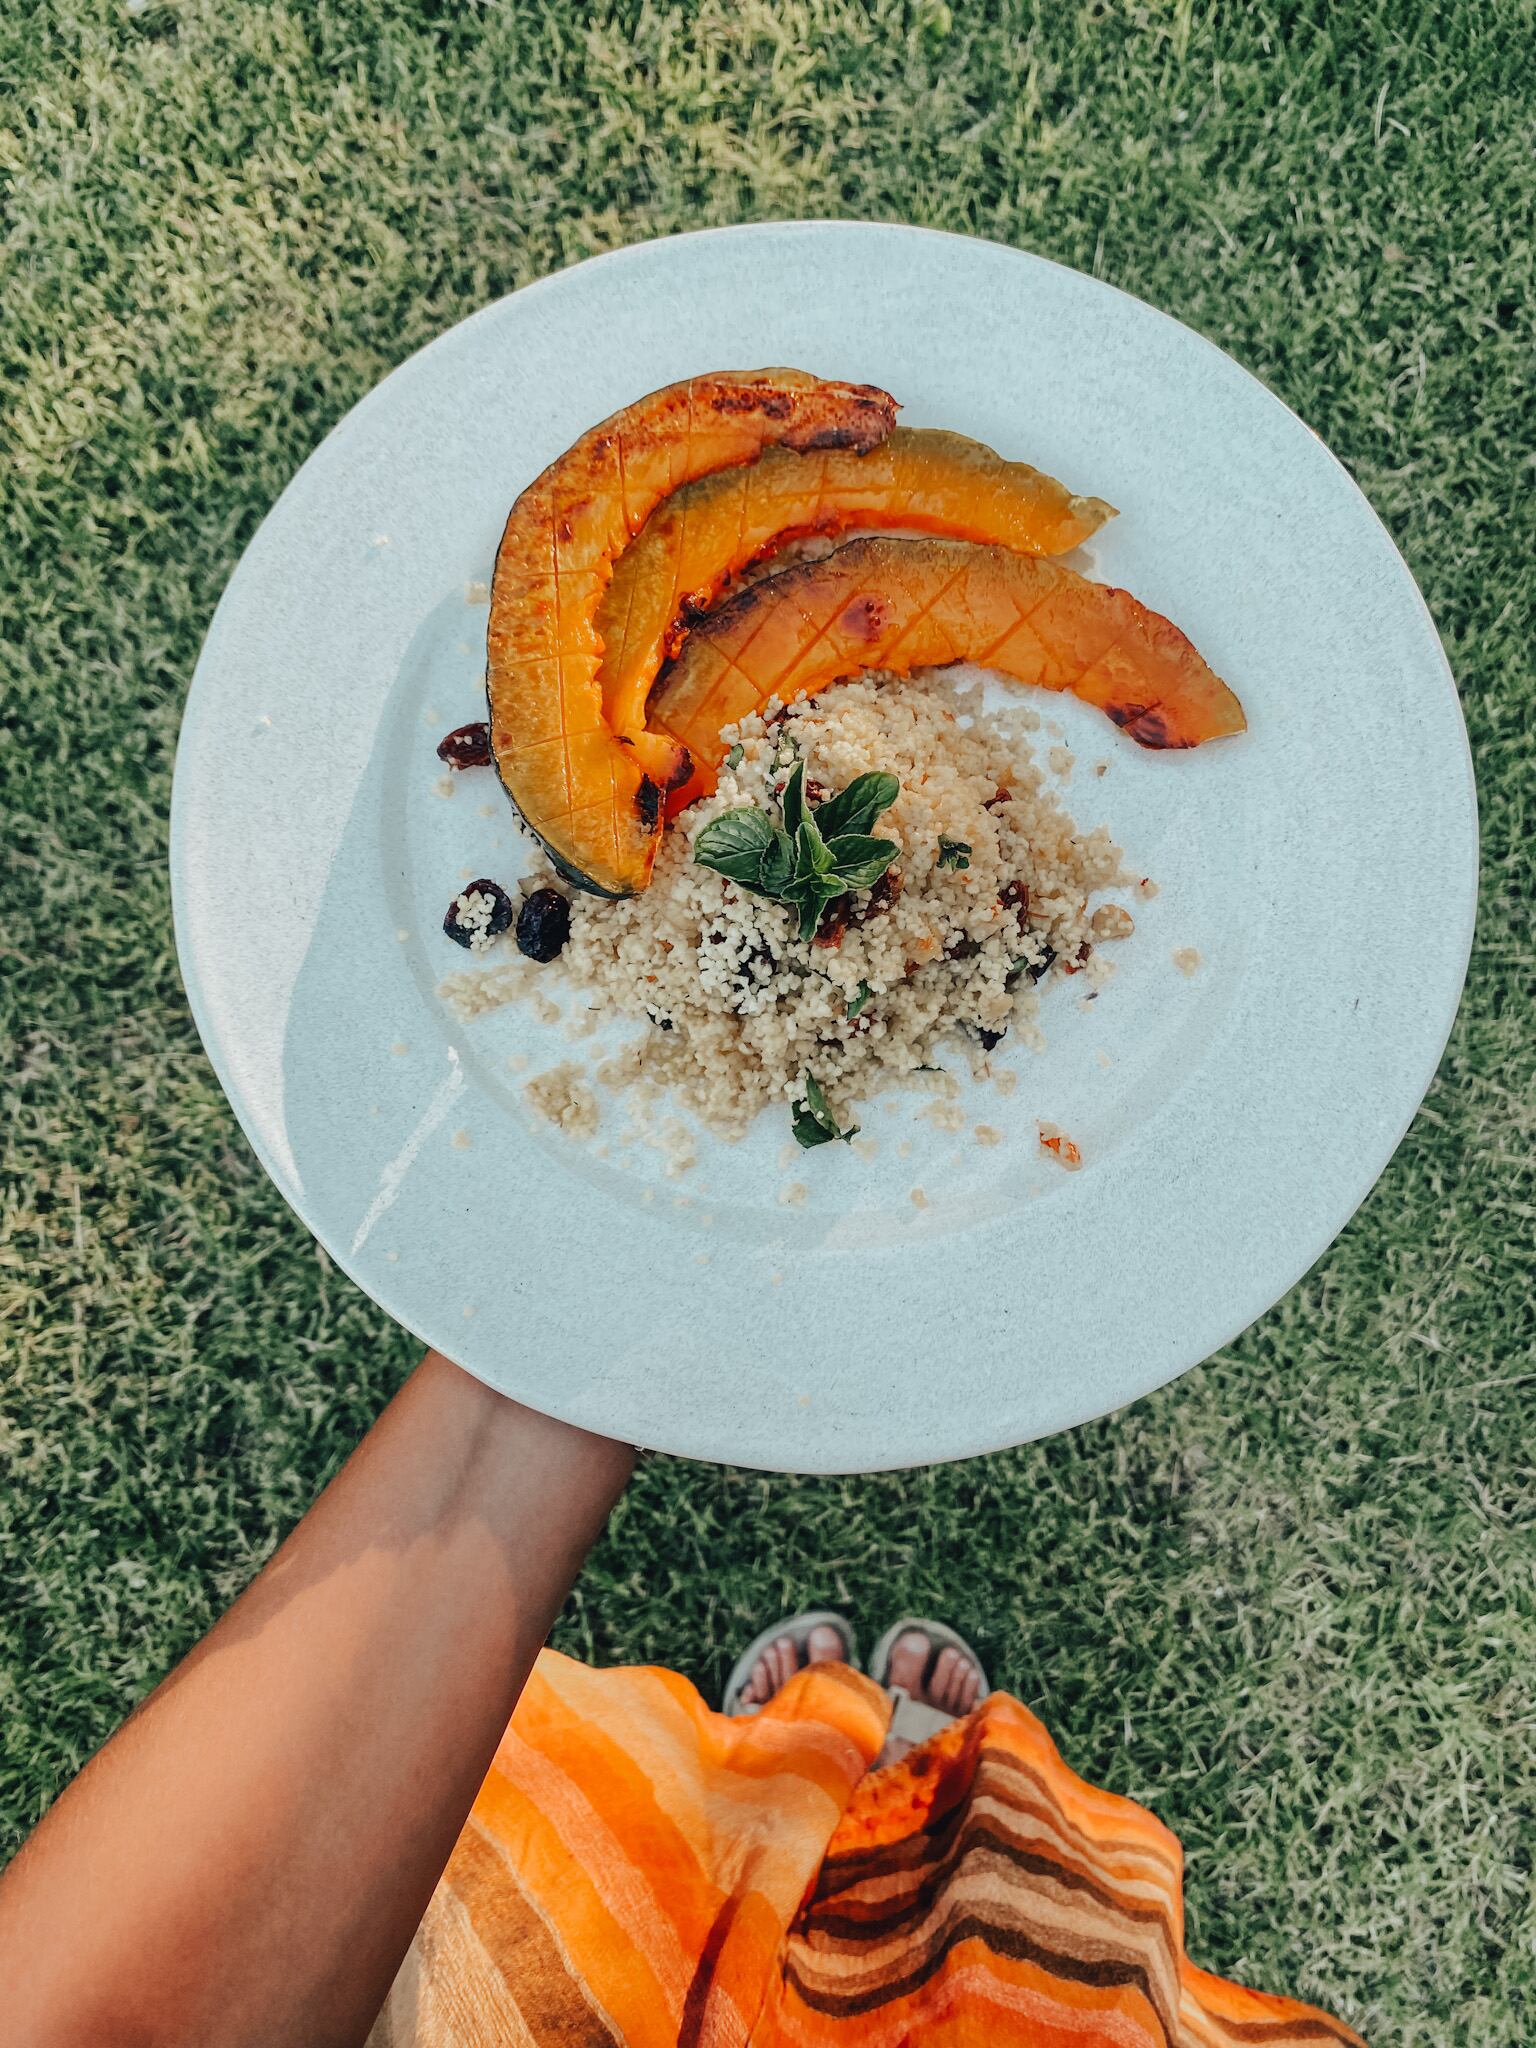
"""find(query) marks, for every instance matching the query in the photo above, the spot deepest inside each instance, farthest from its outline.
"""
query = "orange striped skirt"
(640, 1870)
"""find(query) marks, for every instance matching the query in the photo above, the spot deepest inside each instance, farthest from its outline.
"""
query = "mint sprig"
(817, 854)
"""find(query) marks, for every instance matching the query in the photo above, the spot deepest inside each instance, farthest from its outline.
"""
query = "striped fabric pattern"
(638, 1870)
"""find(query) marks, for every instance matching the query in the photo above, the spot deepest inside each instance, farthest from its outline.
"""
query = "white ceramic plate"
(1323, 865)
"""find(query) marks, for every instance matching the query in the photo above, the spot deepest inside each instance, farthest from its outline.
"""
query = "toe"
(909, 1656)
(786, 1661)
(941, 1690)
(970, 1687)
(823, 1645)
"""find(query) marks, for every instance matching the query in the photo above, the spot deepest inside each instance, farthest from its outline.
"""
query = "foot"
(782, 1659)
(953, 1686)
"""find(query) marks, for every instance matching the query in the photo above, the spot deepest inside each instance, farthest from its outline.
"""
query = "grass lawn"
(1290, 1601)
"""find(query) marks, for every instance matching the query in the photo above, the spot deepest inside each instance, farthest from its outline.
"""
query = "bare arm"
(246, 1861)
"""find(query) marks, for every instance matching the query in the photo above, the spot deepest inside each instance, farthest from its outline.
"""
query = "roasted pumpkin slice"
(582, 789)
(906, 604)
(698, 540)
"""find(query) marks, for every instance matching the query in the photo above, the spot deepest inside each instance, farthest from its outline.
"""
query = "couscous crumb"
(1187, 960)
(1111, 921)
(561, 1096)
(1060, 1146)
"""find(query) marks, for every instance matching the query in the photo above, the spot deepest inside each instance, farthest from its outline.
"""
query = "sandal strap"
(913, 1720)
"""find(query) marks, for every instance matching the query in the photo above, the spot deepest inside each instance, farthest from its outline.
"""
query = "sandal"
(798, 1629)
(914, 1720)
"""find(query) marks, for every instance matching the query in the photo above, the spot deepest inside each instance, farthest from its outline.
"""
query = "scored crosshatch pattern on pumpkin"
(595, 804)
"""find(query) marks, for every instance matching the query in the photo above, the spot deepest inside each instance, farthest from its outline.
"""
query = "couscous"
(987, 890)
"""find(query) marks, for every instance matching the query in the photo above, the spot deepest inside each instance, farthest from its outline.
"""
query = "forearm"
(247, 1859)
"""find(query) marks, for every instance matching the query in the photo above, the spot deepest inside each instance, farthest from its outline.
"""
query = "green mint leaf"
(812, 1121)
(810, 902)
(806, 1130)
(734, 757)
(856, 808)
(811, 855)
(734, 845)
(954, 853)
(817, 1101)
(860, 861)
(778, 864)
(857, 1006)
(792, 802)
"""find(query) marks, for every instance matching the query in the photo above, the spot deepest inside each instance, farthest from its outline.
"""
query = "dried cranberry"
(990, 1040)
(995, 803)
(814, 792)
(1076, 964)
(476, 926)
(880, 897)
(834, 922)
(467, 746)
(543, 924)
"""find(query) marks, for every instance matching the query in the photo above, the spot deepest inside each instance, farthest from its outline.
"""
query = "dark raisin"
(990, 1040)
(467, 746)
(1015, 896)
(1035, 969)
(962, 948)
(661, 1023)
(994, 803)
(543, 924)
(1078, 961)
(744, 973)
(814, 792)
(478, 929)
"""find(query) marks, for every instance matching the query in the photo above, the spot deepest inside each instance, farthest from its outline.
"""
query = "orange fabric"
(640, 1870)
